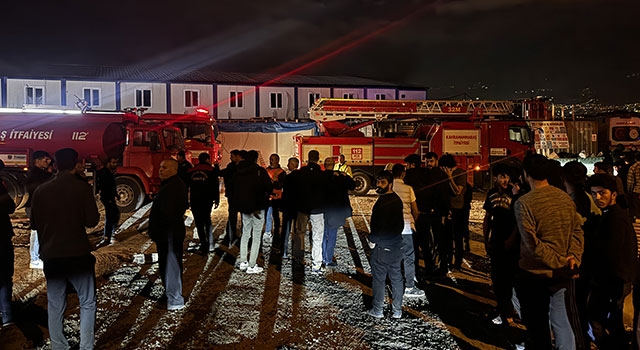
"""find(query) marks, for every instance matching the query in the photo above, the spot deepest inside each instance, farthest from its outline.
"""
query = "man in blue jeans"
(337, 209)
(387, 223)
(61, 210)
(551, 246)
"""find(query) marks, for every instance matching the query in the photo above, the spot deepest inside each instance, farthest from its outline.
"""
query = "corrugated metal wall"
(581, 137)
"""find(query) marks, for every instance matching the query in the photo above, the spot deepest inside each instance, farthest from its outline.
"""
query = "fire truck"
(199, 130)
(140, 145)
(372, 133)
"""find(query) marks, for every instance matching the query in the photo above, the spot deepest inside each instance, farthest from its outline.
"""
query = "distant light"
(477, 168)
(39, 110)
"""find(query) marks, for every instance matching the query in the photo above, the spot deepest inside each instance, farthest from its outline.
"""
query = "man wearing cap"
(37, 175)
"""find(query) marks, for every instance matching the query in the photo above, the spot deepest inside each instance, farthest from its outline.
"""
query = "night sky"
(485, 48)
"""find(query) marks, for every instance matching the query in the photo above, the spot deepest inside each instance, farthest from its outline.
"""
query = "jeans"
(408, 261)
(288, 224)
(562, 331)
(170, 268)
(428, 227)
(34, 246)
(329, 242)
(6, 279)
(385, 262)
(202, 217)
(458, 224)
(272, 219)
(536, 294)
(504, 265)
(268, 220)
(317, 233)
(84, 282)
(232, 223)
(252, 224)
(317, 237)
(111, 218)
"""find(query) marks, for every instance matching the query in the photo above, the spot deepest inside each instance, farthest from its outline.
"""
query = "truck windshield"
(172, 139)
(519, 134)
(200, 132)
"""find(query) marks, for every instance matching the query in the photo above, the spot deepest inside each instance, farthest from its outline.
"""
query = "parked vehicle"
(140, 145)
(199, 130)
(372, 133)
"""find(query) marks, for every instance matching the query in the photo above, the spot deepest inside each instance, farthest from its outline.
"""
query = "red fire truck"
(199, 130)
(373, 133)
(140, 146)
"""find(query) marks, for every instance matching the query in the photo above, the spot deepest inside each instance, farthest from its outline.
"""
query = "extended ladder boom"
(332, 109)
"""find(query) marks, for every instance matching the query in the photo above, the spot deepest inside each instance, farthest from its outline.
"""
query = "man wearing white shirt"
(410, 213)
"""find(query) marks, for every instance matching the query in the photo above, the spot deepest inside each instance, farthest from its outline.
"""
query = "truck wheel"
(363, 184)
(130, 194)
(17, 191)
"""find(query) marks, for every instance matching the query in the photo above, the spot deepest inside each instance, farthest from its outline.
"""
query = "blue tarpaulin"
(268, 127)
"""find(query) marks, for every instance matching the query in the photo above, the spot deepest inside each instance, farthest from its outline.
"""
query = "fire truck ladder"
(333, 109)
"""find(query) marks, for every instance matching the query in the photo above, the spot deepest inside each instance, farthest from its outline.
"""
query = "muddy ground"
(285, 307)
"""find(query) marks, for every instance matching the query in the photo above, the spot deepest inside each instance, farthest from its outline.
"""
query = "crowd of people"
(562, 247)
(563, 252)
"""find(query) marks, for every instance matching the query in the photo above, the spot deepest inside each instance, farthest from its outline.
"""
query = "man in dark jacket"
(432, 197)
(387, 223)
(37, 175)
(337, 208)
(251, 187)
(7, 207)
(227, 176)
(61, 210)
(106, 186)
(311, 189)
(289, 211)
(183, 166)
(613, 274)
(166, 229)
(205, 194)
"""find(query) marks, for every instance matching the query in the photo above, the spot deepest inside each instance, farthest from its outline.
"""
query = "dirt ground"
(285, 307)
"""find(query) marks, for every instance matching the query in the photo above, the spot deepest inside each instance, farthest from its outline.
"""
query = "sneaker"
(413, 292)
(497, 320)
(244, 266)
(175, 307)
(397, 314)
(372, 313)
(104, 242)
(8, 323)
(37, 264)
(520, 346)
(255, 269)
(332, 264)
(316, 269)
(267, 235)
